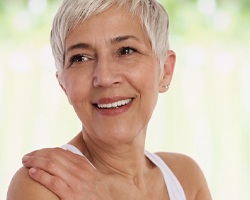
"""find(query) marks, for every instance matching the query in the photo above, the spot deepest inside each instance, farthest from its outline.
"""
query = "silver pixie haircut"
(153, 16)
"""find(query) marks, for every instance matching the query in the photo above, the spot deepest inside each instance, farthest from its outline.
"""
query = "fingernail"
(25, 158)
(32, 170)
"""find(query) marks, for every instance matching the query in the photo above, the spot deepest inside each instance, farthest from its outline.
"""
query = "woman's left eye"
(124, 51)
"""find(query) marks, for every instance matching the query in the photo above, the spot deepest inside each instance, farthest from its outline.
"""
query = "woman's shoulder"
(189, 174)
(177, 161)
(22, 186)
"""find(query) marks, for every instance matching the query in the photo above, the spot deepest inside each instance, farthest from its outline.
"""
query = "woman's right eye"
(79, 58)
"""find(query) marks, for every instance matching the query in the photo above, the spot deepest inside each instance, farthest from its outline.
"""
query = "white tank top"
(174, 187)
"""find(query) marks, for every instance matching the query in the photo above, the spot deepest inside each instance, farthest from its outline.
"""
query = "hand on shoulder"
(189, 174)
(23, 187)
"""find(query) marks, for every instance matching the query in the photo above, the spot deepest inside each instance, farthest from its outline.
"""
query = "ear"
(168, 70)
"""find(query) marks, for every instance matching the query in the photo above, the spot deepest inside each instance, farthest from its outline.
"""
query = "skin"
(112, 60)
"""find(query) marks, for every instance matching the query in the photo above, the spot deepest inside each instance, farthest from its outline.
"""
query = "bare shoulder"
(22, 187)
(189, 174)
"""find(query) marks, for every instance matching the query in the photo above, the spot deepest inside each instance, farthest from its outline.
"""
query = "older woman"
(113, 59)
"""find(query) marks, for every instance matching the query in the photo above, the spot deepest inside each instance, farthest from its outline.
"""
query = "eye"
(79, 58)
(125, 51)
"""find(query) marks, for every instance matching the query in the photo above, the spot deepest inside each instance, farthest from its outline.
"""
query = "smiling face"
(111, 76)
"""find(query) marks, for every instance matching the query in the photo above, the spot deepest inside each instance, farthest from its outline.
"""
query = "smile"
(116, 104)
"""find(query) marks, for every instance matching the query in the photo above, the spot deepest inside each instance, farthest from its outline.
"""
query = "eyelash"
(79, 58)
(125, 49)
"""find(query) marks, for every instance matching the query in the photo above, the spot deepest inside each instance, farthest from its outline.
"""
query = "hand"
(68, 175)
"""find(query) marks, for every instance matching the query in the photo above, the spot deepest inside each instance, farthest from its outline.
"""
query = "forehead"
(111, 23)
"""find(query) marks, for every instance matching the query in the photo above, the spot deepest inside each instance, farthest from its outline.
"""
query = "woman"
(112, 60)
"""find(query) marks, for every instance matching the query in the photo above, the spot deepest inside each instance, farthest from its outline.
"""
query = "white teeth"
(115, 104)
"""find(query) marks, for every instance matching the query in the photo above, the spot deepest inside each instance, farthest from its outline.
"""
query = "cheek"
(77, 88)
(78, 96)
(151, 82)
(150, 79)
(146, 82)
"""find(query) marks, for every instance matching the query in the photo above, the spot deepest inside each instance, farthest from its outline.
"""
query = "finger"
(59, 155)
(42, 152)
(48, 153)
(51, 167)
(53, 183)
(41, 162)
(67, 171)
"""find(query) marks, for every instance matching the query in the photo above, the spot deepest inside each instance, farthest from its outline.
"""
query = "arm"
(203, 193)
(22, 187)
(189, 174)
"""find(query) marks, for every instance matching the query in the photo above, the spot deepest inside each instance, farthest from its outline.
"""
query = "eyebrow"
(78, 46)
(112, 41)
(123, 38)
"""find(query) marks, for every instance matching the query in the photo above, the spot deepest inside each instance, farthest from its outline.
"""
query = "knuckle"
(51, 153)
(41, 176)
(50, 165)
(54, 182)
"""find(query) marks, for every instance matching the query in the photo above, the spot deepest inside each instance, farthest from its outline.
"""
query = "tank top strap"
(72, 148)
(174, 187)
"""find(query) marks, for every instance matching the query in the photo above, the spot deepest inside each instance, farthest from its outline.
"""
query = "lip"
(113, 111)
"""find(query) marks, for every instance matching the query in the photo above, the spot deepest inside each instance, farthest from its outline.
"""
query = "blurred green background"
(205, 114)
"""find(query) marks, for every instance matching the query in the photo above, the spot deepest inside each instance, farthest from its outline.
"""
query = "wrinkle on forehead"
(114, 19)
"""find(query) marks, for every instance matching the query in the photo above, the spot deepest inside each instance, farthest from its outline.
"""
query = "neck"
(126, 160)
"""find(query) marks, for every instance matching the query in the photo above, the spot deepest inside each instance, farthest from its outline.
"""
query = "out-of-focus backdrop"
(205, 114)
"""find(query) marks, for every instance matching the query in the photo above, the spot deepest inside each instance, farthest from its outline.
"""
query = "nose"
(106, 73)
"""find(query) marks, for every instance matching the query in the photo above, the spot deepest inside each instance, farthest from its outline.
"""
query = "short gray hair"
(153, 16)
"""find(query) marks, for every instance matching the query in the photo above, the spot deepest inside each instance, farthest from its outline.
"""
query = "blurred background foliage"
(205, 114)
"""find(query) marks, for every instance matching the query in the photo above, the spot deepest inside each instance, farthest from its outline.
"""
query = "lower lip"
(114, 111)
